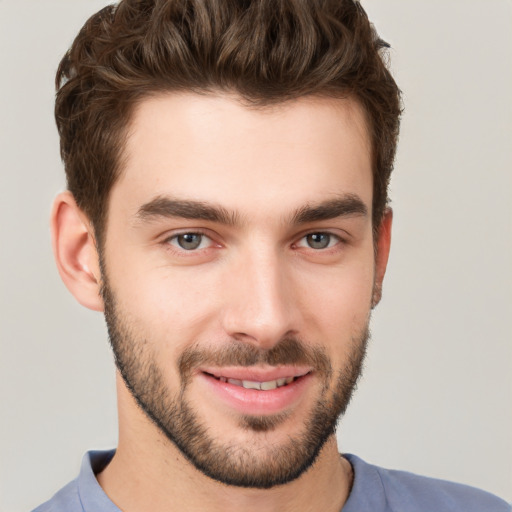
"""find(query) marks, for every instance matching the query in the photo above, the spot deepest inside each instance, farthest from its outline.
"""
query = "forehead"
(212, 148)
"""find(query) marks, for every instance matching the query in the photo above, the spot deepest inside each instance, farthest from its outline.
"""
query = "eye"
(190, 241)
(319, 241)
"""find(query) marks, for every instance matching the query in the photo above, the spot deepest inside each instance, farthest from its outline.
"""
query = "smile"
(257, 391)
(262, 386)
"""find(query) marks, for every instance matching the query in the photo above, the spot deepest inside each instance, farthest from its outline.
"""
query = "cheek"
(186, 297)
(339, 303)
(169, 309)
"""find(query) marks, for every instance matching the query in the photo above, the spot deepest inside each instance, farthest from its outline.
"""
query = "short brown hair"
(267, 51)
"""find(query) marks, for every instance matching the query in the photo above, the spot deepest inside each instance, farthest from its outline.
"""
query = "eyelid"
(166, 240)
(177, 232)
(337, 240)
(340, 235)
(203, 241)
(341, 238)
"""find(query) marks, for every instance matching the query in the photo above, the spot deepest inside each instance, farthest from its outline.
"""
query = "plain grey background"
(436, 396)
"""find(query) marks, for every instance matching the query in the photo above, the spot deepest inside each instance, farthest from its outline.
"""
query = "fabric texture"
(374, 490)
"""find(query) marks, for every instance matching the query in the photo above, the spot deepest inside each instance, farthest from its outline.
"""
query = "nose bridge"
(259, 307)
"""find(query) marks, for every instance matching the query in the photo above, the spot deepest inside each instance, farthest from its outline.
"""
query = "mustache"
(288, 351)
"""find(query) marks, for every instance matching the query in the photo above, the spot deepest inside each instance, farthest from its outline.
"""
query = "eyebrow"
(347, 205)
(186, 209)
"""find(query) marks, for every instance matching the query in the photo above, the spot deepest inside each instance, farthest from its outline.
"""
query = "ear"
(76, 255)
(383, 244)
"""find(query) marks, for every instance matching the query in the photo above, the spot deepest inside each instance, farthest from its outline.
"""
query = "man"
(227, 166)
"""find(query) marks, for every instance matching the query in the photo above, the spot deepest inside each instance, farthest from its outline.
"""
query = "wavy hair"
(266, 51)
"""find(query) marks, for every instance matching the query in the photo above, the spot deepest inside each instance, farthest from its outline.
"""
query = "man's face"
(238, 277)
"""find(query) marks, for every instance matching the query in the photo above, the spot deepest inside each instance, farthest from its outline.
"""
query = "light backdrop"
(436, 397)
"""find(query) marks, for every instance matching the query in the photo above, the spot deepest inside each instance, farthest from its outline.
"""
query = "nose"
(260, 303)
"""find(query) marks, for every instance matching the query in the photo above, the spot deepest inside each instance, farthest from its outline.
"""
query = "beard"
(261, 464)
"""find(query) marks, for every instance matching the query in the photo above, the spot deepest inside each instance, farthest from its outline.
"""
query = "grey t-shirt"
(374, 490)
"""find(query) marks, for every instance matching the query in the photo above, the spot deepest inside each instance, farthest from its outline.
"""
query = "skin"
(255, 280)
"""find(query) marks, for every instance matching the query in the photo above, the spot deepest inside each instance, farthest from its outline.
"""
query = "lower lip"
(257, 402)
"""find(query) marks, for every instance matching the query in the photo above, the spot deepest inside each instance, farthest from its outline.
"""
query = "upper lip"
(256, 374)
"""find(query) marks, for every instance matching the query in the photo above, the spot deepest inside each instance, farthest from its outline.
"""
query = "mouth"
(267, 385)
(257, 391)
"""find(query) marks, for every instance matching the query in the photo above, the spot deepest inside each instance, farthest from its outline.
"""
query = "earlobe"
(382, 254)
(75, 251)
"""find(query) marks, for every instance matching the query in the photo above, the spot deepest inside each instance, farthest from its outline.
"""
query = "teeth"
(262, 386)
(266, 386)
(249, 384)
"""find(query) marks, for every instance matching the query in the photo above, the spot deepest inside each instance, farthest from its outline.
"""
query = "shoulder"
(402, 491)
(66, 500)
(84, 493)
(406, 490)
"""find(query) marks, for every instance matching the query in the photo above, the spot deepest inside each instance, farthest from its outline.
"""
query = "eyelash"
(332, 238)
(168, 241)
(182, 251)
